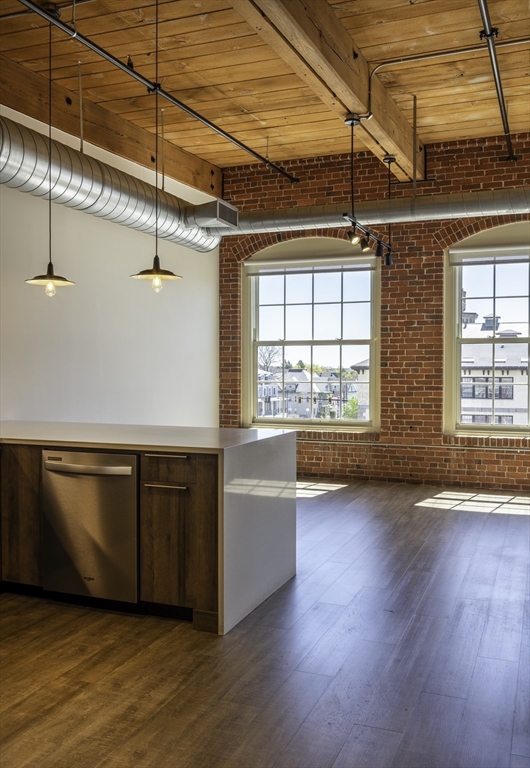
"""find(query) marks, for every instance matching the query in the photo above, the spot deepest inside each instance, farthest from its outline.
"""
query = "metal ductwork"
(88, 185)
(81, 182)
(423, 208)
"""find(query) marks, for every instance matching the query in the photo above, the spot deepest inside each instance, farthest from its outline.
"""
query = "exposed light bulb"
(50, 289)
(156, 284)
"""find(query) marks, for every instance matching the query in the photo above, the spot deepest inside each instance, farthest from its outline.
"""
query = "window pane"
(518, 407)
(326, 382)
(327, 286)
(298, 289)
(357, 286)
(475, 357)
(477, 280)
(271, 289)
(297, 356)
(356, 321)
(511, 279)
(477, 317)
(513, 315)
(297, 383)
(356, 360)
(271, 323)
(269, 359)
(269, 394)
(327, 322)
(298, 320)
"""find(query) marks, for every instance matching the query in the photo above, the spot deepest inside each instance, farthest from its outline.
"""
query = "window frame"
(250, 345)
(454, 371)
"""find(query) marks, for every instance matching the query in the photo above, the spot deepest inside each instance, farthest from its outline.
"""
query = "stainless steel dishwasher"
(89, 525)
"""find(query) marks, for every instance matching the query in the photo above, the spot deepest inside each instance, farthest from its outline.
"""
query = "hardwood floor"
(403, 642)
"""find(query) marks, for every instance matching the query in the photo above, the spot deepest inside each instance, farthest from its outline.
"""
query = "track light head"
(379, 249)
(365, 245)
(353, 237)
(388, 258)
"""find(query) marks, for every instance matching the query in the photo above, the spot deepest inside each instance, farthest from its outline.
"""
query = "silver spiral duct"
(88, 185)
(81, 182)
(423, 208)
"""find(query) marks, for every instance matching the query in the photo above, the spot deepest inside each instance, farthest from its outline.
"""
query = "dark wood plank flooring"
(401, 643)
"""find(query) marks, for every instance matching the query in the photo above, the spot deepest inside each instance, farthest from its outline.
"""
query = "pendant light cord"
(389, 223)
(351, 174)
(50, 146)
(157, 86)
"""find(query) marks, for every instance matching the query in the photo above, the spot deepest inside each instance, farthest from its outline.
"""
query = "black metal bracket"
(489, 36)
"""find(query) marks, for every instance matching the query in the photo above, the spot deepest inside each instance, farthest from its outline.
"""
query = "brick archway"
(244, 246)
(457, 230)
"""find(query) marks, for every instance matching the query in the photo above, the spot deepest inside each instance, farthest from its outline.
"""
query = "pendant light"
(50, 280)
(156, 274)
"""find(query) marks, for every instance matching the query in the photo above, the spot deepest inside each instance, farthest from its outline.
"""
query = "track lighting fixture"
(50, 280)
(156, 274)
(353, 236)
(359, 234)
(365, 245)
(388, 258)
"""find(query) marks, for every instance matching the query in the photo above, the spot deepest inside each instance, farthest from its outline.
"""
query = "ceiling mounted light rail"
(152, 87)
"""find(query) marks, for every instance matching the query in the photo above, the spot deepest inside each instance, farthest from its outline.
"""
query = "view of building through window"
(313, 344)
(493, 343)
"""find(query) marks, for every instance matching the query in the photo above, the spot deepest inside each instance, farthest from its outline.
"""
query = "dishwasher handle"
(85, 469)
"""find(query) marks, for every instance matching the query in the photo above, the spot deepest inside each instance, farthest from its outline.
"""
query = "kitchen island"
(217, 510)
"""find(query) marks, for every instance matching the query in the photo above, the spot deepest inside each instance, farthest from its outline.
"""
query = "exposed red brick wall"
(410, 445)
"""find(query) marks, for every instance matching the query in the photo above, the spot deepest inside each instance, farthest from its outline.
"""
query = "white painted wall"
(109, 349)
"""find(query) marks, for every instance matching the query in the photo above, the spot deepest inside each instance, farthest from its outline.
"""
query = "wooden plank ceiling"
(280, 75)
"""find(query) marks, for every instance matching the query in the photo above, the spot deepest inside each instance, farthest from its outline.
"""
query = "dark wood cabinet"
(179, 534)
(20, 504)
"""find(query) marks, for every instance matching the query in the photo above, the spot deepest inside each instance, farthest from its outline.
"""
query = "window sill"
(488, 440)
(322, 432)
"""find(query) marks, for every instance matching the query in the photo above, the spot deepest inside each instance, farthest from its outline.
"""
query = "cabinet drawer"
(169, 468)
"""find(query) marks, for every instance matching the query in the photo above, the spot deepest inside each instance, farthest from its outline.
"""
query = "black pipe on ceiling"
(488, 34)
(152, 87)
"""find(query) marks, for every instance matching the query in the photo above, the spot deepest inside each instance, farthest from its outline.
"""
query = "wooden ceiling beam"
(309, 37)
(104, 129)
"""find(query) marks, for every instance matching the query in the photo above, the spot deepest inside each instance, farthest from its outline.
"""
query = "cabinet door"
(165, 512)
(20, 504)
(178, 540)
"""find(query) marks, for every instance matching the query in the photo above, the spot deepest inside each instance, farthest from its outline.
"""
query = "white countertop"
(131, 436)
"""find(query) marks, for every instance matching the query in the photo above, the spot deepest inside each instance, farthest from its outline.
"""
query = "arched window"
(311, 316)
(487, 331)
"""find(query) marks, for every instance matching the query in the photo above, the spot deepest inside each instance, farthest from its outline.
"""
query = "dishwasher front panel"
(89, 524)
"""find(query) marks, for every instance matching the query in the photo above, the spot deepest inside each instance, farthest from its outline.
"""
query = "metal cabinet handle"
(165, 456)
(173, 487)
(86, 469)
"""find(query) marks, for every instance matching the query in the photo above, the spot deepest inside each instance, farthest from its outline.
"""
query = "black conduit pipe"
(151, 87)
(488, 34)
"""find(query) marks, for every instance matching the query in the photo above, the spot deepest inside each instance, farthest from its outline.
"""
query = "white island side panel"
(258, 525)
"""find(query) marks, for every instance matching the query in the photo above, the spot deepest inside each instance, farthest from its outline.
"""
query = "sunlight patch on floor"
(311, 490)
(479, 502)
